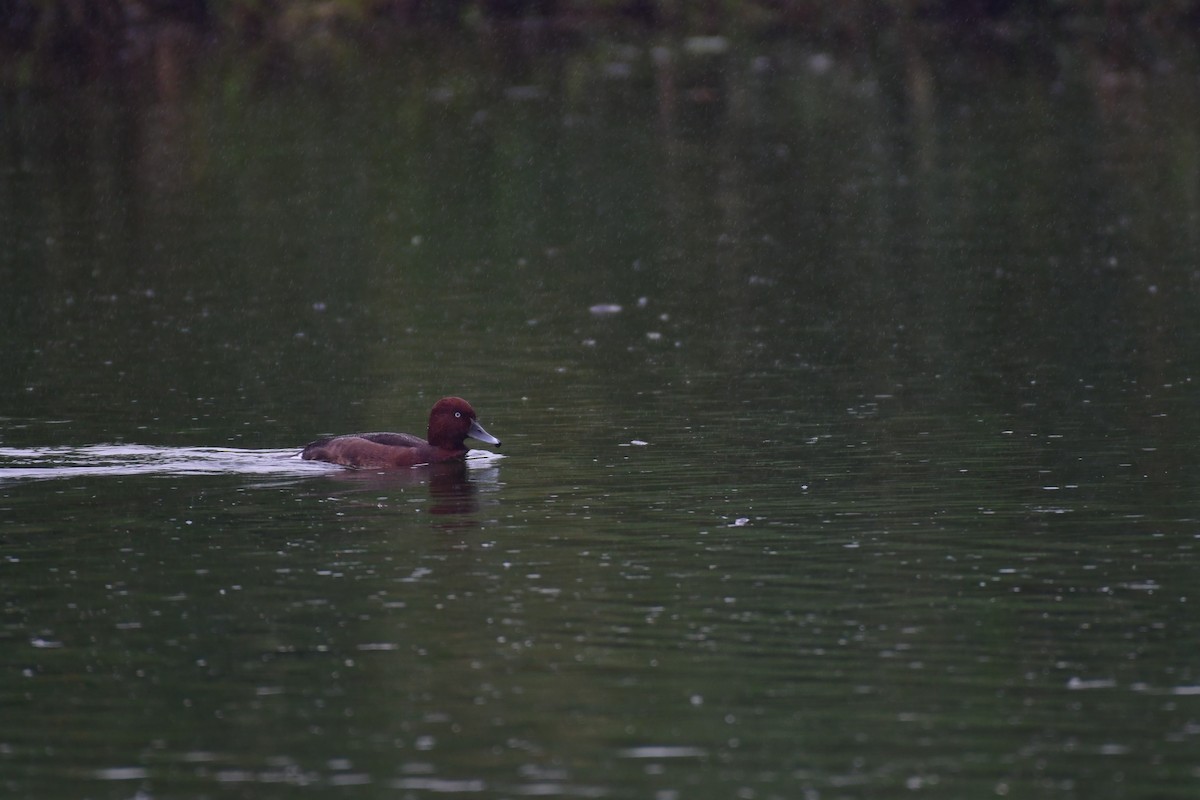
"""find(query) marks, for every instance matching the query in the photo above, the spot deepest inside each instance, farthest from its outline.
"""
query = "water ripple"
(46, 463)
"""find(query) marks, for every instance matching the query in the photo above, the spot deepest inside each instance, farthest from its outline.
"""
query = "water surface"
(847, 399)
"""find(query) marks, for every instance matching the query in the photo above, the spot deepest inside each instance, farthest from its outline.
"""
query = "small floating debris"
(631, 443)
(524, 93)
(605, 309)
(439, 785)
(618, 69)
(740, 522)
(664, 751)
(121, 773)
(820, 63)
(706, 45)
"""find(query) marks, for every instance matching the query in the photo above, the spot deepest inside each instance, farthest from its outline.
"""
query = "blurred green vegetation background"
(41, 36)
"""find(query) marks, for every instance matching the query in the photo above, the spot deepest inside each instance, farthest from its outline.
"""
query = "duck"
(451, 422)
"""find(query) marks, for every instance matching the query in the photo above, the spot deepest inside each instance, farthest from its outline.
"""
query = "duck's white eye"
(458, 413)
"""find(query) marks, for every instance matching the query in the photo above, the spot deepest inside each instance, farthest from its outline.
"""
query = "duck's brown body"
(451, 422)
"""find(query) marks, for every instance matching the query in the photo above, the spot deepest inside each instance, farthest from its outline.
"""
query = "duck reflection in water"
(451, 492)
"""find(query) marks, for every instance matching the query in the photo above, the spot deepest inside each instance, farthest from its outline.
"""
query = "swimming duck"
(451, 421)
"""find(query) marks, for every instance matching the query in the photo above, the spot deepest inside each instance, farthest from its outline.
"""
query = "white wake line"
(41, 463)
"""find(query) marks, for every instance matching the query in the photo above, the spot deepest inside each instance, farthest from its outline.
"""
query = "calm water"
(848, 401)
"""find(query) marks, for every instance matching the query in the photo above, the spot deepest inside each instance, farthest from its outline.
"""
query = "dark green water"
(881, 481)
